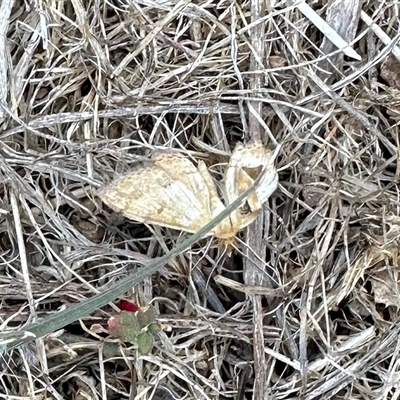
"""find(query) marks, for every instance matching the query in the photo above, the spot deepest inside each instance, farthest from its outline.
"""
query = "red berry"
(125, 305)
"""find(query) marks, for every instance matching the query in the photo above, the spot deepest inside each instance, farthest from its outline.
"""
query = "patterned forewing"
(239, 183)
(168, 192)
(212, 201)
(228, 228)
(268, 184)
(197, 181)
(250, 157)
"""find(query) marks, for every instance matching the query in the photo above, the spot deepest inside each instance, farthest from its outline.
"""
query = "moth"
(170, 191)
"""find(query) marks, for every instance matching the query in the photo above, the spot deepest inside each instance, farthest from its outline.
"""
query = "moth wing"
(246, 164)
(228, 227)
(268, 184)
(250, 209)
(203, 185)
(243, 182)
(169, 192)
(246, 219)
(215, 202)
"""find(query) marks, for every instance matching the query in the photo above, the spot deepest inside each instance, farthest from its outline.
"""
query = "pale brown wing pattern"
(169, 192)
(245, 165)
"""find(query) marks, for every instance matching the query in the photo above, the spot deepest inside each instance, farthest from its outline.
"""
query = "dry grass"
(307, 307)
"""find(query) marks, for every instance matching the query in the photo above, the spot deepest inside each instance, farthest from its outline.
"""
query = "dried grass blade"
(331, 34)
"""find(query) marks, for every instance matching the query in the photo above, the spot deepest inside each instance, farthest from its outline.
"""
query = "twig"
(5, 12)
(255, 247)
